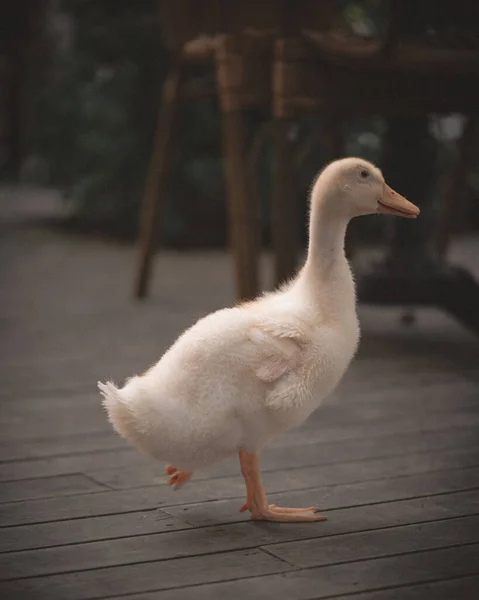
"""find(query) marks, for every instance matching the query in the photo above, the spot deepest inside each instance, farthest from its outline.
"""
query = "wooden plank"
(41, 424)
(361, 377)
(378, 408)
(373, 544)
(376, 414)
(50, 487)
(63, 405)
(295, 456)
(225, 538)
(433, 388)
(53, 400)
(276, 478)
(56, 446)
(49, 428)
(150, 576)
(78, 507)
(76, 421)
(74, 443)
(63, 465)
(410, 424)
(226, 511)
(325, 582)
(214, 510)
(88, 530)
(142, 577)
(117, 581)
(364, 377)
(410, 396)
(389, 375)
(382, 401)
(333, 497)
(23, 392)
(464, 588)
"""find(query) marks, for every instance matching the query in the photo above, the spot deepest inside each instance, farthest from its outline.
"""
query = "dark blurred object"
(412, 274)
(422, 62)
(21, 35)
(237, 39)
(413, 68)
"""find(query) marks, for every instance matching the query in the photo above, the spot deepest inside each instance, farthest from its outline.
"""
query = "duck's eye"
(364, 174)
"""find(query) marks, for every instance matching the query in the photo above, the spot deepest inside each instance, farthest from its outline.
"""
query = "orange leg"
(178, 478)
(257, 503)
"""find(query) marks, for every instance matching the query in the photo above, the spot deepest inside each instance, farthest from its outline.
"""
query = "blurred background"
(81, 87)
(164, 150)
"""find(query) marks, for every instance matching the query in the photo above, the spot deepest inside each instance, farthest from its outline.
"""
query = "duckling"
(242, 375)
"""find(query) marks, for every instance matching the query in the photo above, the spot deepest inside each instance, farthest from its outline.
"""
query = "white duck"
(242, 375)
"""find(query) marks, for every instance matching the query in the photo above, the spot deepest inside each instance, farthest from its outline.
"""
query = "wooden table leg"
(244, 214)
(285, 205)
(412, 275)
(158, 173)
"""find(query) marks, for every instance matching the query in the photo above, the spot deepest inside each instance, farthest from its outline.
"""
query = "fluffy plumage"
(242, 375)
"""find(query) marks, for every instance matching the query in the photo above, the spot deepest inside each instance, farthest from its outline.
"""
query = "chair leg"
(244, 217)
(285, 206)
(158, 173)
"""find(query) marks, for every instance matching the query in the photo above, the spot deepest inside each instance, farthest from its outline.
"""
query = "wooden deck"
(392, 459)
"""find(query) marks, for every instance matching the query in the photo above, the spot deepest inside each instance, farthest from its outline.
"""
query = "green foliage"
(98, 107)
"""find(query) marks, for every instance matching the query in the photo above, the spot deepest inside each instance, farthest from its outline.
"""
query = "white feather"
(242, 375)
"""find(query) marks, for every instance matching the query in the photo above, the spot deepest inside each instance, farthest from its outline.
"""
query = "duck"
(242, 375)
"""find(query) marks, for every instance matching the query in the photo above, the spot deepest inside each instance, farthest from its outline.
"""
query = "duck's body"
(242, 375)
(225, 385)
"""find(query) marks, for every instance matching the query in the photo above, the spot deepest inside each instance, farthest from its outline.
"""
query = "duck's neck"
(326, 273)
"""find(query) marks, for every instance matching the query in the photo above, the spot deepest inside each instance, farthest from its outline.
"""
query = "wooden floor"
(392, 459)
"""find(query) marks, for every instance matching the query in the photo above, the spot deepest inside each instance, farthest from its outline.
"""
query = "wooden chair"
(344, 76)
(286, 54)
(426, 63)
(237, 39)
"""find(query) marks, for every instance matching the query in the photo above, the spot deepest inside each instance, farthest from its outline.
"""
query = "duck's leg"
(256, 501)
(178, 478)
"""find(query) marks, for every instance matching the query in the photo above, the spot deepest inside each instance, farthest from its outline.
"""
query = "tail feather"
(111, 394)
(118, 408)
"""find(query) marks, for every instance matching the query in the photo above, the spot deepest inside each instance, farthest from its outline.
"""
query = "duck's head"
(356, 187)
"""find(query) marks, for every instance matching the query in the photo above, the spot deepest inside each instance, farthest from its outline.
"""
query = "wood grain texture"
(391, 458)
(109, 582)
(132, 464)
(77, 531)
(324, 582)
(65, 485)
(235, 536)
(293, 477)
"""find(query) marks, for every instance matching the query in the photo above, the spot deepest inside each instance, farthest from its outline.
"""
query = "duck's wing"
(278, 349)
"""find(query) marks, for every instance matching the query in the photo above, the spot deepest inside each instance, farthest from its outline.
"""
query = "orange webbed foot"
(272, 512)
(256, 501)
(178, 478)
(287, 515)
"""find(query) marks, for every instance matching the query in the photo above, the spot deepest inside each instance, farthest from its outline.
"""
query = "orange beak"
(392, 203)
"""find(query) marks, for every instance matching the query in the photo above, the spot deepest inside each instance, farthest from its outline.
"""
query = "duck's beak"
(392, 203)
